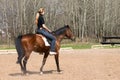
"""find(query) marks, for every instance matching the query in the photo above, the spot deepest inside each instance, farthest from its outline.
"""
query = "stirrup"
(52, 53)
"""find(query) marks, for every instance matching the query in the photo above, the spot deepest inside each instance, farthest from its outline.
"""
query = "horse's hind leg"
(43, 62)
(25, 62)
(21, 63)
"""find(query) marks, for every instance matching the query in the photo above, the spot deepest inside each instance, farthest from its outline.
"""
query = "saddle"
(46, 41)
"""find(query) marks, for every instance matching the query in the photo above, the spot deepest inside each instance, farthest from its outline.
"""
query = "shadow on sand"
(33, 73)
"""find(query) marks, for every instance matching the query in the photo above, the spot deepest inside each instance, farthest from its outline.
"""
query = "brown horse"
(25, 44)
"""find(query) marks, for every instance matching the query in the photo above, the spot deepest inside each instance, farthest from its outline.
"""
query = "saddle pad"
(44, 39)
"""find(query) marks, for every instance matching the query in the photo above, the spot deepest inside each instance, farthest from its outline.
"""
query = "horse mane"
(60, 30)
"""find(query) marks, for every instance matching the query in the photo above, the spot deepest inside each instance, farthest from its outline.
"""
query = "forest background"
(88, 19)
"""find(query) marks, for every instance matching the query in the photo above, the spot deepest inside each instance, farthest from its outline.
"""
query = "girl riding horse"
(42, 29)
(25, 44)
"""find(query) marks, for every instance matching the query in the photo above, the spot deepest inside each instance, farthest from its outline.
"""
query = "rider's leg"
(50, 37)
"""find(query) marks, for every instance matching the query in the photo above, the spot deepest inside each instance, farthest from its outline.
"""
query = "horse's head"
(64, 31)
(69, 33)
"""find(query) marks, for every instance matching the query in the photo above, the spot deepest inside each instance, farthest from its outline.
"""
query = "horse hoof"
(41, 73)
(60, 72)
(26, 74)
(17, 62)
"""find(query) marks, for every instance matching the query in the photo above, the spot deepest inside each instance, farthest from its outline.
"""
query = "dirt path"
(88, 64)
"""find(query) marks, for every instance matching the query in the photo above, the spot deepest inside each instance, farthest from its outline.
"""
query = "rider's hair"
(41, 10)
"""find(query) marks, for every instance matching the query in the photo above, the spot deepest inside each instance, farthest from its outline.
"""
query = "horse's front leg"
(43, 62)
(57, 62)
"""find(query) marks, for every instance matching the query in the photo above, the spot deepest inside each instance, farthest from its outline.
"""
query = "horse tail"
(19, 48)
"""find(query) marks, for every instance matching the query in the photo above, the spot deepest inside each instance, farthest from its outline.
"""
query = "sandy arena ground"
(86, 64)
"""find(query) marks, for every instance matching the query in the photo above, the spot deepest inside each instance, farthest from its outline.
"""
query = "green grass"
(4, 47)
(110, 47)
(73, 45)
(77, 45)
(87, 46)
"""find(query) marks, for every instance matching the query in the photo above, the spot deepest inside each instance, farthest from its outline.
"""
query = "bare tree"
(89, 19)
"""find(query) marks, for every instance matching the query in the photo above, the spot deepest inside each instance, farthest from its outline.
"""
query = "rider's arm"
(44, 26)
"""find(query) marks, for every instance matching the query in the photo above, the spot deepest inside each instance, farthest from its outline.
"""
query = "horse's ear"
(67, 26)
